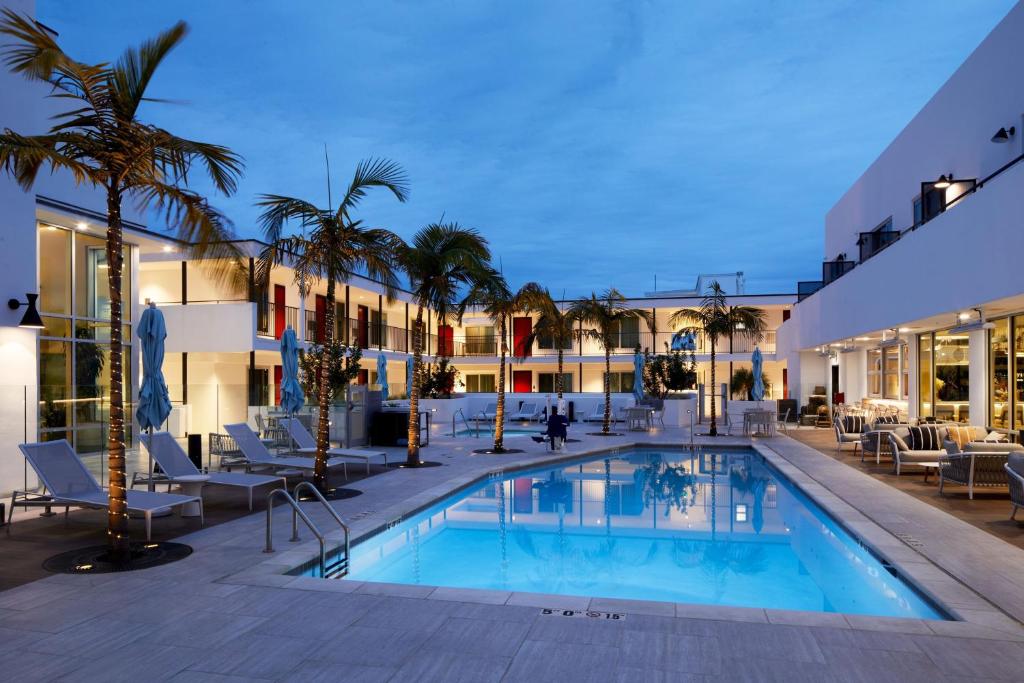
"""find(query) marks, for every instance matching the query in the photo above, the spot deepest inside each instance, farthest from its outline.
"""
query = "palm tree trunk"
(561, 355)
(413, 453)
(714, 425)
(499, 410)
(323, 428)
(117, 513)
(606, 425)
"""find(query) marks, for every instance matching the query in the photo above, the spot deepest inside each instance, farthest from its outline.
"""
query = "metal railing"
(271, 322)
(339, 568)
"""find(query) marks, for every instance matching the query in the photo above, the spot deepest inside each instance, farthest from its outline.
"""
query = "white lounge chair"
(490, 412)
(257, 454)
(172, 459)
(307, 444)
(69, 484)
(597, 414)
(528, 411)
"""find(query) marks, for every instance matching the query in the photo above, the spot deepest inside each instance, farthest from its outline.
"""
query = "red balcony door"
(521, 328)
(278, 376)
(522, 381)
(363, 326)
(445, 340)
(364, 377)
(321, 318)
(279, 319)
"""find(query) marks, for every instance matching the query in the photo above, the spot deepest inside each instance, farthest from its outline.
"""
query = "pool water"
(718, 529)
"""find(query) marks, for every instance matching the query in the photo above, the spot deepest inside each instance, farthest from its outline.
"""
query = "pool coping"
(982, 619)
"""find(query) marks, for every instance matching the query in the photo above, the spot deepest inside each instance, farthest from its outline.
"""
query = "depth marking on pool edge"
(589, 613)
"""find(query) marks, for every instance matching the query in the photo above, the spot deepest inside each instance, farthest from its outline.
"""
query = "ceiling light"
(944, 181)
(168, 248)
(863, 338)
(904, 329)
(1002, 135)
(82, 225)
(964, 316)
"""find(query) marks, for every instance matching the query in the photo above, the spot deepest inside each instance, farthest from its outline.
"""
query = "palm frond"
(23, 157)
(134, 70)
(176, 154)
(374, 173)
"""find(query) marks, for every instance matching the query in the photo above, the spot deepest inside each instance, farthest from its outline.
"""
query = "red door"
(321, 318)
(364, 377)
(445, 340)
(521, 328)
(522, 495)
(522, 381)
(278, 311)
(278, 376)
(363, 326)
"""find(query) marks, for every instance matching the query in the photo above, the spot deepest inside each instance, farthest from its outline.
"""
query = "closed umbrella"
(757, 393)
(759, 491)
(409, 366)
(638, 376)
(154, 403)
(292, 397)
(382, 376)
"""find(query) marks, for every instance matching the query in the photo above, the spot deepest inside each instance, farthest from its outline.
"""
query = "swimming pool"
(666, 525)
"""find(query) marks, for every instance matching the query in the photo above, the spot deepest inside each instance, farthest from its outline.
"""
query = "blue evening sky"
(595, 143)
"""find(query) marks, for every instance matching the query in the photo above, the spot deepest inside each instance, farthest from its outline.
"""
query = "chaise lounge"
(528, 412)
(306, 444)
(69, 484)
(257, 455)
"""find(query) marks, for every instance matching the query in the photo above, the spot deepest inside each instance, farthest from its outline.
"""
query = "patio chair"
(172, 459)
(973, 469)
(781, 422)
(490, 412)
(848, 430)
(528, 412)
(912, 454)
(256, 453)
(1014, 468)
(306, 444)
(70, 484)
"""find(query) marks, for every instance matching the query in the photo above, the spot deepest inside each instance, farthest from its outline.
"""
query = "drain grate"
(910, 540)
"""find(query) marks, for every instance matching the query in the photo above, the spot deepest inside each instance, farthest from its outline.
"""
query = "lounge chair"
(172, 459)
(597, 414)
(1015, 478)
(848, 430)
(257, 454)
(69, 484)
(490, 412)
(528, 412)
(306, 444)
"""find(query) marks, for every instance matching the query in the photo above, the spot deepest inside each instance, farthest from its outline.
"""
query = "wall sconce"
(1002, 135)
(943, 182)
(31, 319)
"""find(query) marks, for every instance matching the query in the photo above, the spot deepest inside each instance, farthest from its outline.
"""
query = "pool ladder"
(336, 569)
(476, 421)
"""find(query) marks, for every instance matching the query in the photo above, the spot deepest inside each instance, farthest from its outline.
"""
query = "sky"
(594, 143)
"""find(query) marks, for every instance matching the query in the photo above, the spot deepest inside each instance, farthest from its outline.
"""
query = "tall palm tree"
(551, 323)
(100, 139)
(332, 245)
(443, 261)
(717, 319)
(606, 314)
(493, 296)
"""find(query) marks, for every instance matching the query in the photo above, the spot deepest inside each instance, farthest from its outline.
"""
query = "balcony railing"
(833, 270)
(875, 241)
(471, 346)
(272, 320)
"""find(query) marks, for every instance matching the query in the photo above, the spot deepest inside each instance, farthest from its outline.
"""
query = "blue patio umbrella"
(382, 376)
(292, 398)
(758, 362)
(638, 376)
(154, 403)
(758, 519)
(409, 366)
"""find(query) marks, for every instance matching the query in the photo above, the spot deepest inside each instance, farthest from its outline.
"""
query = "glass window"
(1018, 372)
(54, 385)
(54, 270)
(626, 334)
(999, 373)
(483, 384)
(546, 382)
(905, 372)
(918, 213)
(92, 287)
(480, 341)
(621, 382)
(875, 372)
(891, 372)
(952, 377)
(925, 374)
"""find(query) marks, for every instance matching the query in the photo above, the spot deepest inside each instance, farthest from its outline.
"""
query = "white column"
(914, 376)
(977, 357)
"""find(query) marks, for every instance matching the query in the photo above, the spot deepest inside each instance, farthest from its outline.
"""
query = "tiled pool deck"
(229, 613)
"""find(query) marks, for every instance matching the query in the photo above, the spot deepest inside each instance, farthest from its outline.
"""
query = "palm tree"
(606, 314)
(102, 142)
(492, 294)
(717, 319)
(551, 323)
(332, 246)
(443, 259)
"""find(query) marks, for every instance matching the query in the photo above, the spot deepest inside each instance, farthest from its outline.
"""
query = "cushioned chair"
(1014, 469)
(848, 430)
(904, 455)
(972, 469)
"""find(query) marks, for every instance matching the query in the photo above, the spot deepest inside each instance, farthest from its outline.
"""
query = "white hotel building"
(878, 328)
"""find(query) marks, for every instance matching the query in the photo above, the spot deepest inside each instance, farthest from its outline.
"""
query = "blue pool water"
(723, 529)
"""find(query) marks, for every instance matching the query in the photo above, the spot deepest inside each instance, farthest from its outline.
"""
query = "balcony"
(272, 320)
(871, 243)
(833, 270)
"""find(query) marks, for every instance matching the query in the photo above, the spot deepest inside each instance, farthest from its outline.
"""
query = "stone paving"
(227, 613)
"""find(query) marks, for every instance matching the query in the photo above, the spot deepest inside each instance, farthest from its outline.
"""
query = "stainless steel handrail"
(691, 428)
(296, 512)
(464, 421)
(334, 513)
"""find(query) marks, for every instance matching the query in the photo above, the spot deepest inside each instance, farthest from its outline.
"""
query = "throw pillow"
(854, 424)
(923, 439)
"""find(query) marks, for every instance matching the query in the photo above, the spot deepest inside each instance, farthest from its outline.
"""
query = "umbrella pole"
(149, 452)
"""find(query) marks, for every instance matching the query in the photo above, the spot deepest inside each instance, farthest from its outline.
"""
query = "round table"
(192, 485)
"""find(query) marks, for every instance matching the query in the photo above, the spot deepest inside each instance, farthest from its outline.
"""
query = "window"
(926, 373)
(626, 334)
(891, 372)
(480, 341)
(546, 382)
(999, 374)
(918, 211)
(875, 372)
(952, 377)
(904, 372)
(621, 382)
(480, 384)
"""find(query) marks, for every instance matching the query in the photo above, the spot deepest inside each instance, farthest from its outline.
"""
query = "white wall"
(226, 327)
(950, 134)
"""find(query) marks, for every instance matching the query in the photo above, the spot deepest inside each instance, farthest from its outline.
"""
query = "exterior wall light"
(944, 181)
(1002, 135)
(31, 319)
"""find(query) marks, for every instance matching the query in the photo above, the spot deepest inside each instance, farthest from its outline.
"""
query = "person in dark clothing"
(557, 429)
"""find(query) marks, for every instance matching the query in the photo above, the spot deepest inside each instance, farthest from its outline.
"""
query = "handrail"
(465, 422)
(691, 429)
(334, 513)
(296, 512)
